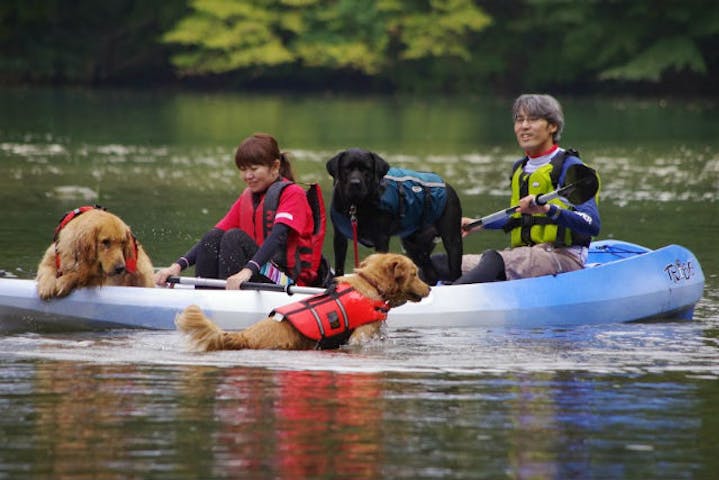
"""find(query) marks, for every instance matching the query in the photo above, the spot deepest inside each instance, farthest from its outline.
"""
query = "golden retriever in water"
(382, 281)
(92, 247)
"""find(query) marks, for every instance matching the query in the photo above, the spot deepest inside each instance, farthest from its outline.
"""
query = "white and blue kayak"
(623, 282)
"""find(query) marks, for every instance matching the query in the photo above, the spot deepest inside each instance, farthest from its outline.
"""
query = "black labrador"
(381, 202)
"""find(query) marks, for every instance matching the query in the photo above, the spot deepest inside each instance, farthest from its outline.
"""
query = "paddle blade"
(582, 183)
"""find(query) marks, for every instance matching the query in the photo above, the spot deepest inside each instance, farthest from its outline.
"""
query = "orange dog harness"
(330, 317)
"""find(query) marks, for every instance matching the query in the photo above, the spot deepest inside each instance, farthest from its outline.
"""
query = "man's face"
(534, 134)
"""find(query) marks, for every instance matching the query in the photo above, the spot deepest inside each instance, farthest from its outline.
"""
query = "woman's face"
(534, 135)
(259, 177)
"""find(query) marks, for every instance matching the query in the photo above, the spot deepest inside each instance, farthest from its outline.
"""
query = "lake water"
(611, 401)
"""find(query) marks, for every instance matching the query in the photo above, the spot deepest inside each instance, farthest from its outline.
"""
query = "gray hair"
(541, 106)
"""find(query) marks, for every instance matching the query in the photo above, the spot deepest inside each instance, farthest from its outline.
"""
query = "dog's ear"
(399, 271)
(83, 244)
(381, 167)
(333, 164)
(127, 249)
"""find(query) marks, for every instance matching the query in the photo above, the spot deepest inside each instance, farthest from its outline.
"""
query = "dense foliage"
(387, 45)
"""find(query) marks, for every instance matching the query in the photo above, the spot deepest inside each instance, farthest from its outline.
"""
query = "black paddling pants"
(224, 253)
(489, 269)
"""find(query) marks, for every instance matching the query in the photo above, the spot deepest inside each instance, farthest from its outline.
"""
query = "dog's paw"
(365, 334)
(45, 283)
(65, 285)
(44, 291)
(51, 287)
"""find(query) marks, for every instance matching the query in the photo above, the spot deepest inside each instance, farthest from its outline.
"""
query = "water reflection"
(85, 420)
(236, 422)
(136, 405)
(299, 424)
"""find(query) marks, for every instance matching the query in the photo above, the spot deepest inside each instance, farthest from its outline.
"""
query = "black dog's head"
(357, 173)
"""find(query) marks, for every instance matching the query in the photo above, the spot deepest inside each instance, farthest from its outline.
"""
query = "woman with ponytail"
(266, 234)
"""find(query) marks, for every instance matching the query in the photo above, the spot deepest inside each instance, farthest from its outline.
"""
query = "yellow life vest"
(533, 229)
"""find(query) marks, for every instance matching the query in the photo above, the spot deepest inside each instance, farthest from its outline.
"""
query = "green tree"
(367, 36)
(401, 45)
(562, 43)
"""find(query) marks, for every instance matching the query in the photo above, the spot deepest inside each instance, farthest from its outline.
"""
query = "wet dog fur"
(357, 178)
(92, 249)
(394, 274)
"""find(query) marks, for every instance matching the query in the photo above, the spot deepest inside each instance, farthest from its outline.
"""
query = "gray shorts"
(469, 261)
(538, 260)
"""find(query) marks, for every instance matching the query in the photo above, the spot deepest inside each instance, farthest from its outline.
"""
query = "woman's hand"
(235, 281)
(162, 275)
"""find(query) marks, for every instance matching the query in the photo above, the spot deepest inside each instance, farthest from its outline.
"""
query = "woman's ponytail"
(285, 167)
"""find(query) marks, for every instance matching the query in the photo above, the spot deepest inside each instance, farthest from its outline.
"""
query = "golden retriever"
(92, 247)
(388, 278)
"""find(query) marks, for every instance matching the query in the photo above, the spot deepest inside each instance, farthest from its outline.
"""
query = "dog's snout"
(120, 268)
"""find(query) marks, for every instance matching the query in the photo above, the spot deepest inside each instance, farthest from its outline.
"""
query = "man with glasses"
(544, 239)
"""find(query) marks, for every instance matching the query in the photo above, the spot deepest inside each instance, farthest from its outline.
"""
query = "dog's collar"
(71, 215)
(372, 284)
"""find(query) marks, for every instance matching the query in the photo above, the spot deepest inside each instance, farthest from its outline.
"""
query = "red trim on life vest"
(69, 216)
(131, 262)
(313, 255)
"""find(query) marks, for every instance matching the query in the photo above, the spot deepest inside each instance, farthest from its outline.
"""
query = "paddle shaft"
(493, 217)
(218, 283)
(539, 200)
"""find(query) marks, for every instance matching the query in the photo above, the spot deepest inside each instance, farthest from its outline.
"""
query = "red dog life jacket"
(331, 317)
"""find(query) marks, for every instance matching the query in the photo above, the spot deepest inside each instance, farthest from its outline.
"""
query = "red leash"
(353, 220)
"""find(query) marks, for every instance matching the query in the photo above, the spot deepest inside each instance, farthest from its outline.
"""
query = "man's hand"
(466, 221)
(528, 206)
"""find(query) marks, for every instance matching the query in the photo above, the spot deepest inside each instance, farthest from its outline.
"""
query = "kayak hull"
(627, 282)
